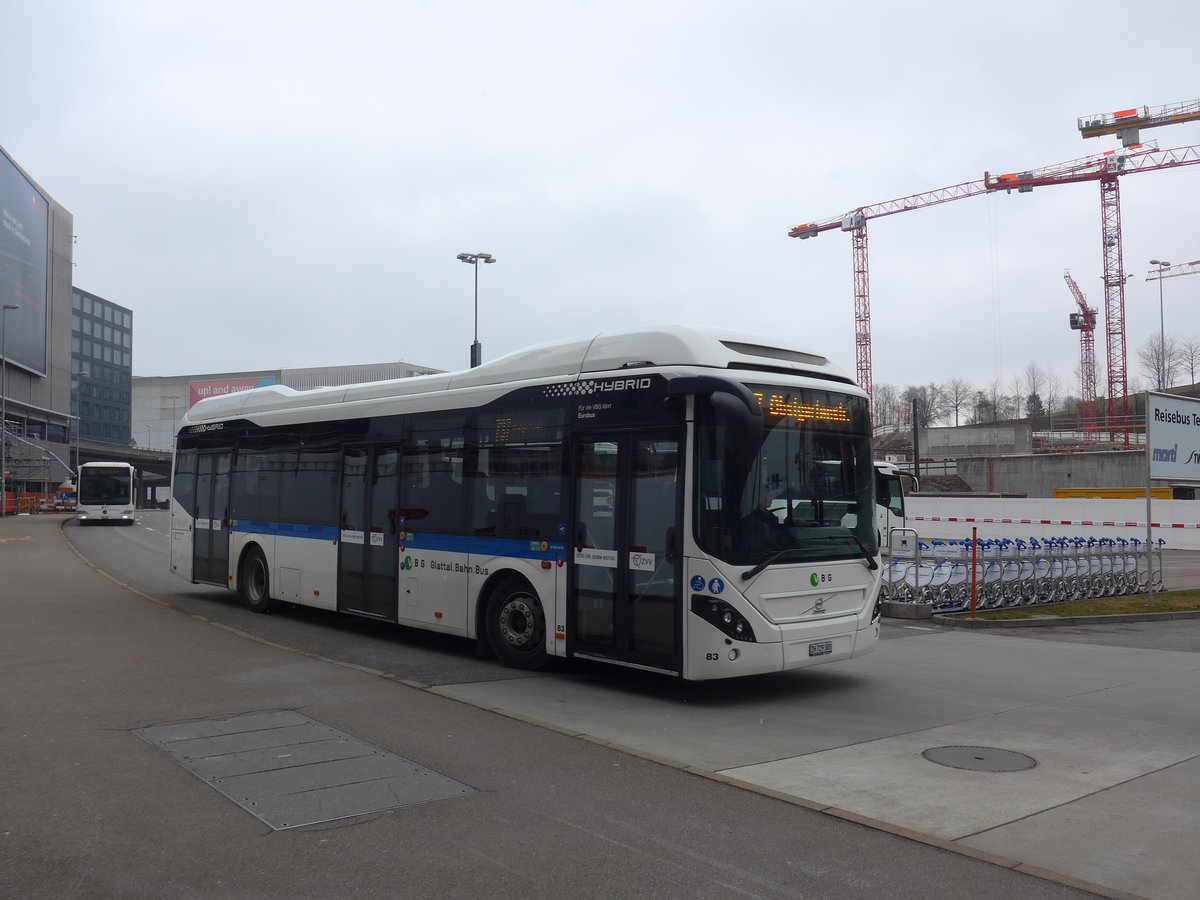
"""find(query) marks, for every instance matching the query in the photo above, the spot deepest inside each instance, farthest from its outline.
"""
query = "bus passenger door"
(210, 556)
(367, 542)
(625, 600)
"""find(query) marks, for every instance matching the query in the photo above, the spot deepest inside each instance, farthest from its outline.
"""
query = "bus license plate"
(820, 648)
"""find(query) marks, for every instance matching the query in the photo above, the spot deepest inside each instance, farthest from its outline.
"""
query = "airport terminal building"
(35, 328)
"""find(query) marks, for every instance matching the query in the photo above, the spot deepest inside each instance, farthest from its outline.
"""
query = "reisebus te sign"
(1173, 437)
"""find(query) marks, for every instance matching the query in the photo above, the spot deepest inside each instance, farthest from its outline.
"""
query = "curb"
(1049, 620)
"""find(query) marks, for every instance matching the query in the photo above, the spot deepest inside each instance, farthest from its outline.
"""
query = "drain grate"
(980, 759)
(289, 770)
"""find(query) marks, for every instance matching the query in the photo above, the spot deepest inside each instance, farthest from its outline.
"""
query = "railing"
(1021, 573)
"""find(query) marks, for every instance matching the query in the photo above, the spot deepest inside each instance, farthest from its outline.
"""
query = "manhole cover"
(980, 759)
(290, 770)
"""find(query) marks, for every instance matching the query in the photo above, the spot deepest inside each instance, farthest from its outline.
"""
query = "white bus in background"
(104, 492)
(680, 500)
(889, 498)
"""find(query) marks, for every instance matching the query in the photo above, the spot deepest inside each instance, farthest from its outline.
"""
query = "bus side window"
(184, 483)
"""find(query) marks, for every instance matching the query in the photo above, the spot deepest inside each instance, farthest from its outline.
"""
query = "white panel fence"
(1177, 522)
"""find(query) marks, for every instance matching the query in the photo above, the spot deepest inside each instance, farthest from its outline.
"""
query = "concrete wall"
(1038, 475)
(976, 440)
(1175, 521)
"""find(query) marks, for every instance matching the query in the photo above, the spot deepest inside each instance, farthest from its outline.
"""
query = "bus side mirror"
(742, 428)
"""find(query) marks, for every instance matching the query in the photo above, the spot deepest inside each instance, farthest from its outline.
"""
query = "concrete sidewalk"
(1114, 797)
(92, 810)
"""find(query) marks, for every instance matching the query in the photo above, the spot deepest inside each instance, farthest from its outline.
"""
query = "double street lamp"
(1163, 265)
(4, 409)
(475, 259)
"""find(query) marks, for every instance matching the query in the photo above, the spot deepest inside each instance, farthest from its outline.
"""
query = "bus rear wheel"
(254, 583)
(516, 625)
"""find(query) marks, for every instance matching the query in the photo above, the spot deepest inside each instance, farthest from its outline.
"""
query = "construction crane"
(1084, 322)
(1127, 123)
(855, 222)
(1190, 268)
(1106, 169)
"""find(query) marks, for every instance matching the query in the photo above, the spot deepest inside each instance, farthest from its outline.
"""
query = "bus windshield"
(796, 486)
(105, 486)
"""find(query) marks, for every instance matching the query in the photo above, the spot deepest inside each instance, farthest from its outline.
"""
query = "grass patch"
(1170, 601)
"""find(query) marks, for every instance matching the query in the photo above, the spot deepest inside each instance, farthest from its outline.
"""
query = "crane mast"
(855, 222)
(1106, 169)
(1084, 322)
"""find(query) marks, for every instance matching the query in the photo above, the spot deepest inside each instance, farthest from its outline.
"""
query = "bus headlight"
(720, 614)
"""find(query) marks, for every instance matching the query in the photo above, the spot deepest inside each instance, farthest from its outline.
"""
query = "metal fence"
(1005, 573)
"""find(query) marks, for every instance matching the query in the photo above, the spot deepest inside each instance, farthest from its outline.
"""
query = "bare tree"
(1189, 354)
(1035, 379)
(939, 401)
(926, 402)
(1054, 389)
(996, 399)
(1015, 399)
(959, 396)
(887, 404)
(982, 410)
(1161, 361)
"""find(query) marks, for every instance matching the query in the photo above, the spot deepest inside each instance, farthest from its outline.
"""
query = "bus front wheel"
(254, 584)
(516, 625)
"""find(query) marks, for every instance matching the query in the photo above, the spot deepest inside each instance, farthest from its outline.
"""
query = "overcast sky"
(287, 184)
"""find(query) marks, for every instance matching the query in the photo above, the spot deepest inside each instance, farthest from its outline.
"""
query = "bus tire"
(254, 582)
(516, 625)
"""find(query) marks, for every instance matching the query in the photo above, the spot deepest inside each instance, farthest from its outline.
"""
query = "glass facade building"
(101, 367)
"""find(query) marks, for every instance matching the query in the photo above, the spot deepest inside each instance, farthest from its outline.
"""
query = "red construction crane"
(1127, 123)
(855, 222)
(1105, 169)
(1084, 322)
(1188, 268)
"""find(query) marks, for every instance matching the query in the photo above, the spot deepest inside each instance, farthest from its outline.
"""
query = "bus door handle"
(672, 544)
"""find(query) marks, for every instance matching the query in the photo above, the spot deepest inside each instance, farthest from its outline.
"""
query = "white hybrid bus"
(682, 500)
(104, 492)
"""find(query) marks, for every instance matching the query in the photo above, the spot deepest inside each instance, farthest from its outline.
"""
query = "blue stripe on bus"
(484, 546)
(284, 529)
(444, 543)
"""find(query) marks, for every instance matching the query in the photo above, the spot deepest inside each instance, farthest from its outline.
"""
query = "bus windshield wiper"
(779, 555)
(771, 560)
(867, 555)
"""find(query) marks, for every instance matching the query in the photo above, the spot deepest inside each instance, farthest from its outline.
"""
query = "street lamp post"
(475, 259)
(171, 433)
(1162, 334)
(4, 409)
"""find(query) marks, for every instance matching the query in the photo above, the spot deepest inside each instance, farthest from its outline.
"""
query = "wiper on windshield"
(867, 555)
(778, 555)
(771, 560)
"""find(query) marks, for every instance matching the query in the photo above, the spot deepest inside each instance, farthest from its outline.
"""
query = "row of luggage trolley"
(1020, 573)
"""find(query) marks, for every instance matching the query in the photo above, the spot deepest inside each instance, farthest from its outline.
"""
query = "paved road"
(1112, 801)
